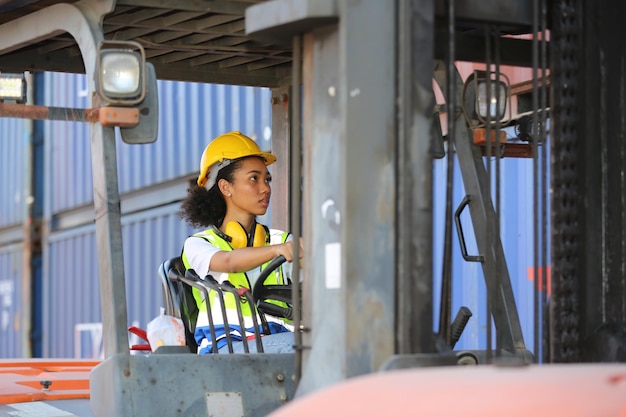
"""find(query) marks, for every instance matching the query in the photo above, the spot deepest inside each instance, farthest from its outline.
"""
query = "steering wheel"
(261, 292)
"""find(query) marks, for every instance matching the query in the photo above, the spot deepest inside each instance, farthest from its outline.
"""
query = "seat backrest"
(178, 299)
(180, 302)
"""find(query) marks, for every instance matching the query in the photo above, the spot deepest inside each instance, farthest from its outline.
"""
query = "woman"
(234, 188)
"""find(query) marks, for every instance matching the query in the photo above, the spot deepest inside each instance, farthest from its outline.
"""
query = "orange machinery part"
(572, 390)
(480, 136)
(119, 116)
(21, 379)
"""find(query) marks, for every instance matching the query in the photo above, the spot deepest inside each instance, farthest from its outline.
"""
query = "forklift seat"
(178, 299)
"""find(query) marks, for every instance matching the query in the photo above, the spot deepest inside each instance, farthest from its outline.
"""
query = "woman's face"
(250, 190)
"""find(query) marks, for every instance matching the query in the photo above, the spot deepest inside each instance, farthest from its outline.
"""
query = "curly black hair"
(203, 208)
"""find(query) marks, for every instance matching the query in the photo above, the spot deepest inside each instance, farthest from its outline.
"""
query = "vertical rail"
(451, 101)
(414, 178)
(498, 158)
(495, 237)
(494, 153)
(414, 306)
(109, 240)
(533, 142)
(540, 190)
(490, 304)
(296, 193)
(28, 280)
(544, 184)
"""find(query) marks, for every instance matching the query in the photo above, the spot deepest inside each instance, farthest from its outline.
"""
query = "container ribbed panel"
(11, 303)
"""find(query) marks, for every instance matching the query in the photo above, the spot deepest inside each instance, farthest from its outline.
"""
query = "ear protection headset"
(235, 234)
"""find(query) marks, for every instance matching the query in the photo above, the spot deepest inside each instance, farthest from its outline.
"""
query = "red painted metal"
(573, 390)
(107, 116)
(25, 380)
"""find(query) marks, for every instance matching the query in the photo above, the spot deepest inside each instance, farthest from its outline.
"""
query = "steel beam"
(367, 178)
(516, 14)
(414, 179)
(281, 147)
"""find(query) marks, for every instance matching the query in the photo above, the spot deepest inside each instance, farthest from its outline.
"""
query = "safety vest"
(239, 280)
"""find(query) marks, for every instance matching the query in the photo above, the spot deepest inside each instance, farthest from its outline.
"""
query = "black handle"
(458, 325)
(459, 230)
(274, 310)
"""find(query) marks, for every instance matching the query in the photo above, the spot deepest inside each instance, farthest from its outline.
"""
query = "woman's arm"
(245, 259)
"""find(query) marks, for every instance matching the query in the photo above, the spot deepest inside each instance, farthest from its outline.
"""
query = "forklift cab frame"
(355, 110)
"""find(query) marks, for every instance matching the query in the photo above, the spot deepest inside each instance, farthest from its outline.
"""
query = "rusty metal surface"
(50, 113)
(197, 40)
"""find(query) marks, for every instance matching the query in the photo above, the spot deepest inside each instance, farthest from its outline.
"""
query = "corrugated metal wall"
(67, 146)
(72, 288)
(13, 154)
(10, 301)
(150, 238)
(190, 116)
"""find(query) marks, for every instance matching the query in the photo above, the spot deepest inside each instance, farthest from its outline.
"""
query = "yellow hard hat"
(224, 149)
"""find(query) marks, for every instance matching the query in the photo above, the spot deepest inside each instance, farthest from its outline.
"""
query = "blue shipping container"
(72, 292)
(190, 115)
(14, 150)
(11, 320)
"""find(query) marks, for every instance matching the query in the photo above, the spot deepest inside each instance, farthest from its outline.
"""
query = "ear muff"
(238, 238)
(237, 234)
(259, 238)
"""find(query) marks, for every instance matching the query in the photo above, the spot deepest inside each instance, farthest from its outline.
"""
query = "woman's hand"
(286, 249)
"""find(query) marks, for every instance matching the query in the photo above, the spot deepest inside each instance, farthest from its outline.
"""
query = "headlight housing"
(491, 104)
(121, 72)
(485, 98)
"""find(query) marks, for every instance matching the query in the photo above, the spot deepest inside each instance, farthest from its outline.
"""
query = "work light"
(121, 72)
(485, 97)
(13, 87)
(490, 99)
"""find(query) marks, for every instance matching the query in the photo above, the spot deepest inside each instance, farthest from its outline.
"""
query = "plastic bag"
(165, 331)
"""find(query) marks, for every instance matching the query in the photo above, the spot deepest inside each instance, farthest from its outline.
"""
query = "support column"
(281, 147)
(349, 202)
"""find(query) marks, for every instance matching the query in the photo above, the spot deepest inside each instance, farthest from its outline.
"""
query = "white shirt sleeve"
(199, 253)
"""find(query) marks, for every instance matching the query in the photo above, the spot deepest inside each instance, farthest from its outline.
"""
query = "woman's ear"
(224, 187)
